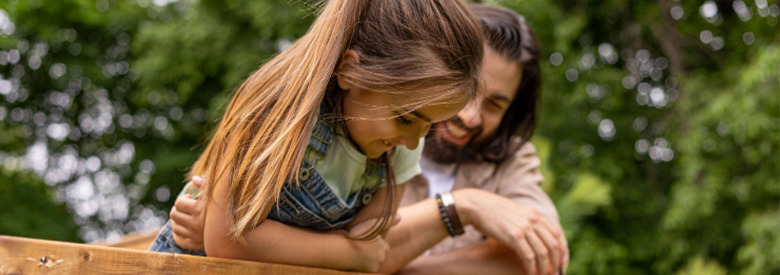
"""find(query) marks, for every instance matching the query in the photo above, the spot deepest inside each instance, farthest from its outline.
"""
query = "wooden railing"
(33, 256)
(139, 240)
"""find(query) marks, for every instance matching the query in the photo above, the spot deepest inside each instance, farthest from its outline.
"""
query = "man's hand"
(539, 245)
(186, 222)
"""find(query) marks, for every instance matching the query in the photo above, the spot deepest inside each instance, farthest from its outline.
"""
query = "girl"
(311, 137)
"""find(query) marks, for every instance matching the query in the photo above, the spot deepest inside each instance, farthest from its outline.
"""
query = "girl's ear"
(350, 58)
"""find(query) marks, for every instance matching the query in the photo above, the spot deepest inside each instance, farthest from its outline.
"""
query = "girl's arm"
(275, 242)
(420, 229)
(373, 210)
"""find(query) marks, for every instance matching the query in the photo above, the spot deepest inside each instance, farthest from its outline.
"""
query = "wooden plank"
(32, 256)
(139, 240)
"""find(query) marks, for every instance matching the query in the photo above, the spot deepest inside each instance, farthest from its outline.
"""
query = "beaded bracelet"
(449, 214)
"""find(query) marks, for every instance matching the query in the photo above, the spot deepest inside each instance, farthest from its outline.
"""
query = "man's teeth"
(456, 131)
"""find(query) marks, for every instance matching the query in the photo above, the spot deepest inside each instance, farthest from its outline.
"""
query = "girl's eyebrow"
(417, 114)
(421, 116)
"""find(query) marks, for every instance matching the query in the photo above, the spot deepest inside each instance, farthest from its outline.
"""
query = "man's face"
(455, 139)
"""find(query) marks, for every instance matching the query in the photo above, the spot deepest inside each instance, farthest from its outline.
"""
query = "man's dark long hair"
(510, 37)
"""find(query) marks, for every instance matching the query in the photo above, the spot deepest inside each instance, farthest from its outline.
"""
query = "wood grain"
(139, 240)
(32, 256)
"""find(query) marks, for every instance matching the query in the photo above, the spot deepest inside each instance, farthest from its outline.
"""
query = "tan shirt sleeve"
(517, 178)
(520, 179)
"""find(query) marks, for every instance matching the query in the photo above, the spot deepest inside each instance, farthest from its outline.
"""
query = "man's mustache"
(457, 122)
(439, 149)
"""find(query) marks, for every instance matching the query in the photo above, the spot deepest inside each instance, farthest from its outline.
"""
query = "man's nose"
(470, 115)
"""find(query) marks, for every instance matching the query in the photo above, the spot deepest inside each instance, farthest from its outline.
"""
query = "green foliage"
(678, 116)
(30, 210)
(122, 93)
(659, 130)
(759, 254)
(213, 46)
(699, 267)
(582, 200)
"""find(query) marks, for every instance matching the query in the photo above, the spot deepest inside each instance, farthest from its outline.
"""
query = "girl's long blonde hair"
(424, 50)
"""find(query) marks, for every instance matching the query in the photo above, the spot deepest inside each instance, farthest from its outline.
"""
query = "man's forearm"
(421, 228)
(486, 257)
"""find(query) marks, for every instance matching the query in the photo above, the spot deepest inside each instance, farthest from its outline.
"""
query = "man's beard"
(441, 150)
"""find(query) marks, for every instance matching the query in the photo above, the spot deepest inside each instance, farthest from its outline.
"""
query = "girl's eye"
(403, 120)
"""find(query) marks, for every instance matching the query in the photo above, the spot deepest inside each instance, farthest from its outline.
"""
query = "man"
(482, 158)
(482, 155)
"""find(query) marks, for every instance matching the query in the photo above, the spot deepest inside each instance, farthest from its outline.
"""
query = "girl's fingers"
(198, 181)
(183, 220)
(185, 233)
(187, 205)
(177, 231)
(361, 228)
(396, 219)
(187, 243)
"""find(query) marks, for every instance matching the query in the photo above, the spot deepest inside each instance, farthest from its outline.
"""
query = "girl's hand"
(186, 222)
(373, 251)
(370, 253)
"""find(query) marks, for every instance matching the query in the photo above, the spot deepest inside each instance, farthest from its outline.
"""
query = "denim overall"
(309, 204)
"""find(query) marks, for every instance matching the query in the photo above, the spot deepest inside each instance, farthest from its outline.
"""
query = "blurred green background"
(659, 131)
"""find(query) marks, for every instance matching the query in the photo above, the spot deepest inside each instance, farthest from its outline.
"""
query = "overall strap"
(376, 167)
(321, 137)
(322, 132)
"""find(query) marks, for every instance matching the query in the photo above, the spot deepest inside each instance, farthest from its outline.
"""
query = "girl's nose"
(410, 142)
(411, 139)
(470, 115)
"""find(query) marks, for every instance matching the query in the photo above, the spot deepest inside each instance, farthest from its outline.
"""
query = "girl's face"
(375, 128)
